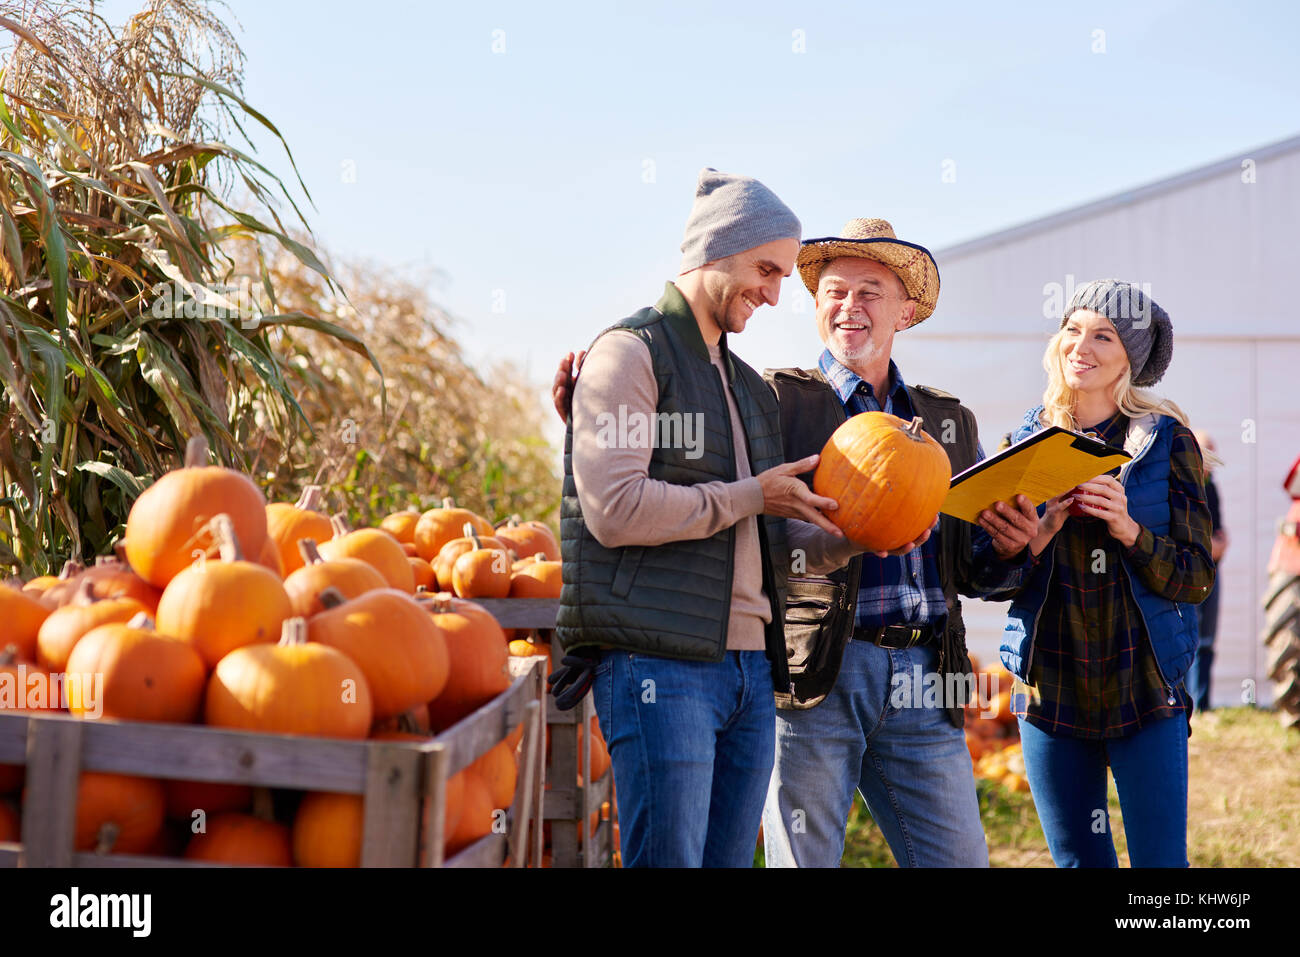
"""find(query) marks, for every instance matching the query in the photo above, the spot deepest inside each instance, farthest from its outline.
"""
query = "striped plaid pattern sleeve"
(1178, 566)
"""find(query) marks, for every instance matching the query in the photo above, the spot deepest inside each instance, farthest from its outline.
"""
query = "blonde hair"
(1060, 401)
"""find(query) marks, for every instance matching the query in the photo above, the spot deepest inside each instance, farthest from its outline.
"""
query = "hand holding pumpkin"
(786, 495)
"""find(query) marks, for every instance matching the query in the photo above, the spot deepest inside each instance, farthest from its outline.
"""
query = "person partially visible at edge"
(866, 641)
(1103, 628)
(1198, 678)
(676, 556)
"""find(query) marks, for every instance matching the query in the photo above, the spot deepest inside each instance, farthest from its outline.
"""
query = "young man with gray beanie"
(677, 525)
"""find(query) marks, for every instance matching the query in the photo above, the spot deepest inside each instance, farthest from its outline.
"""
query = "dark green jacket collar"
(672, 305)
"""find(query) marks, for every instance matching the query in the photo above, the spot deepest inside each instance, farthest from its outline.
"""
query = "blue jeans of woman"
(1067, 777)
(691, 744)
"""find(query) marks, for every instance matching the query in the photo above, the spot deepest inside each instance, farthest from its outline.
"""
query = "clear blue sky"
(524, 171)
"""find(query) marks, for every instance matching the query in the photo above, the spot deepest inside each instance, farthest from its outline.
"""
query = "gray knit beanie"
(1144, 328)
(732, 214)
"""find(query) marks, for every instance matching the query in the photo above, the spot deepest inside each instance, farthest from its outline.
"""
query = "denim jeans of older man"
(907, 760)
(691, 745)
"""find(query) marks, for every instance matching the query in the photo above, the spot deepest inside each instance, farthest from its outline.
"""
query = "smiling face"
(1092, 356)
(739, 284)
(860, 305)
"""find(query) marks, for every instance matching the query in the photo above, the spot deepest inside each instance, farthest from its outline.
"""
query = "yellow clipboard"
(1043, 466)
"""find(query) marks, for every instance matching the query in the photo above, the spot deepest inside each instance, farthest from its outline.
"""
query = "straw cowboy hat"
(875, 239)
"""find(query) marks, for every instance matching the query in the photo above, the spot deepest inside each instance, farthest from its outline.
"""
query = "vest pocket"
(625, 574)
(814, 623)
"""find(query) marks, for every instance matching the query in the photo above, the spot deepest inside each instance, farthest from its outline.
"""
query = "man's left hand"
(1010, 526)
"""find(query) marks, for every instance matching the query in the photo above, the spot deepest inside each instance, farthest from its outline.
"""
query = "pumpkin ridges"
(133, 806)
(145, 676)
(287, 524)
(67, 625)
(477, 653)
(374, 547)
(888, 476)
(438, 526)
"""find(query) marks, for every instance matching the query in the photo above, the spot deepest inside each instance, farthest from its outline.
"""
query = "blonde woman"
(1103, 628)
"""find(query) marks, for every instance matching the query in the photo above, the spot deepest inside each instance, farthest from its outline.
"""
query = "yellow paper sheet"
(1043, 466)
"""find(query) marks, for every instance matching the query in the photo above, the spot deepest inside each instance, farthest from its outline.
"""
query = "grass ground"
(1243, 803)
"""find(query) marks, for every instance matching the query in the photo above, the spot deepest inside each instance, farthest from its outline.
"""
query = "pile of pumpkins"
(220, 609)
(992, 732)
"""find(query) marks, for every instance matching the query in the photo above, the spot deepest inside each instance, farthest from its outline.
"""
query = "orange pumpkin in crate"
(65, 627)
(539, 578)
(146, 676)
(529, 538)
(218, 606)
(401, 525)
(243, 840)
(476, 646)
(375, 547)
(170, 521)
(290, 688)
(23, 617)
(287, 524)
(118, 813)
(481, 573)
(888, 476)
(351, 576)
(454, 549)
(498, 770)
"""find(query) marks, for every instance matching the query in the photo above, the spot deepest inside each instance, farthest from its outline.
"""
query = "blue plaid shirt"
(899, 589)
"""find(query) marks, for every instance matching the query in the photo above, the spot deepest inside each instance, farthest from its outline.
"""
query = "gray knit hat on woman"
(731, 214)
(1144, 328)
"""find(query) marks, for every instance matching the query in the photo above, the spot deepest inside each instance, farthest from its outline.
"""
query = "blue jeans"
(910, 764)
(1068, 779)
(691, 746)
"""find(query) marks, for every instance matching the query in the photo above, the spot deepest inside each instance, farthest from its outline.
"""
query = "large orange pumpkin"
(142, 675)
(395, 642)
(425, 579)
(438, 526)
(294, 687)
(374, 547)
(498, 770)
(327, 830)
(401, 525)
(537, 579)
(218, 606)
(22, 617)
(351, 576)
(888, 477)
(476, 816)
(476, 648)
(529, 538)
(171, 520)
(287, 524)
(242, 839)
(118, 813)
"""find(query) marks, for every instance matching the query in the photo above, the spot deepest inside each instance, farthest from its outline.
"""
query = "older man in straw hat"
(861, 639)
(677, 540)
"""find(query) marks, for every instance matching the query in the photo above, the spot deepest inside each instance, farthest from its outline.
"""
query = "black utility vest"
(820, 609)
(674, 600)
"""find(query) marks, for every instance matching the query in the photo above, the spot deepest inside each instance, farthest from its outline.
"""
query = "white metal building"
(1218, 248)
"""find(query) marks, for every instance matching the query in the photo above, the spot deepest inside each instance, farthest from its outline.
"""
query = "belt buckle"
(910, 641)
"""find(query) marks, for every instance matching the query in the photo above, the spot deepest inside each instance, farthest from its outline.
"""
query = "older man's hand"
(566, 374)
(1010, 527)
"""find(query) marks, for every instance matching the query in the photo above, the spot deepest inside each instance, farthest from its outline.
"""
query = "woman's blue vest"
(1171, 626)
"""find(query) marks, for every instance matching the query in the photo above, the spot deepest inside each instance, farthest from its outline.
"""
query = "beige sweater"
(622, 505)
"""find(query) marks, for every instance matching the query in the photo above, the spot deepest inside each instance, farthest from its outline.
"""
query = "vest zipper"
(731, 532)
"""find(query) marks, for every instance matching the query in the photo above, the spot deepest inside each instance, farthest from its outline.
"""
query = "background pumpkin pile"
(992, 732)
(223, 610)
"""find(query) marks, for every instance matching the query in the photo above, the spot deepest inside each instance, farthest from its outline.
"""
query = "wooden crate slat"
(90, 859)
(10, 854)
(433, 813)
(487, 851)
(53, 771)
(522, 612)
(392, 804)
(475, 735)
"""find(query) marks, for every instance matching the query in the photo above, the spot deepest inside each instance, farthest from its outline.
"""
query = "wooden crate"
(570, 798)
(404, 783)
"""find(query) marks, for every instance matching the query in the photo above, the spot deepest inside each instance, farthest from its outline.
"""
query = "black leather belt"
(896, 636)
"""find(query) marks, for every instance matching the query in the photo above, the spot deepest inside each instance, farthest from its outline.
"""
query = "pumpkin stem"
(340, 525)
(309, 552)
(71, 569)
(293, 632)
(223, 531)
(331, 597)
(913, 430)
(263, 804)
(472, 535)
(448, 502)
(107, 837)
(85, 592)
(196, 452)
(515, 520)
(141, 619)
(310, 499)
(406, 722)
